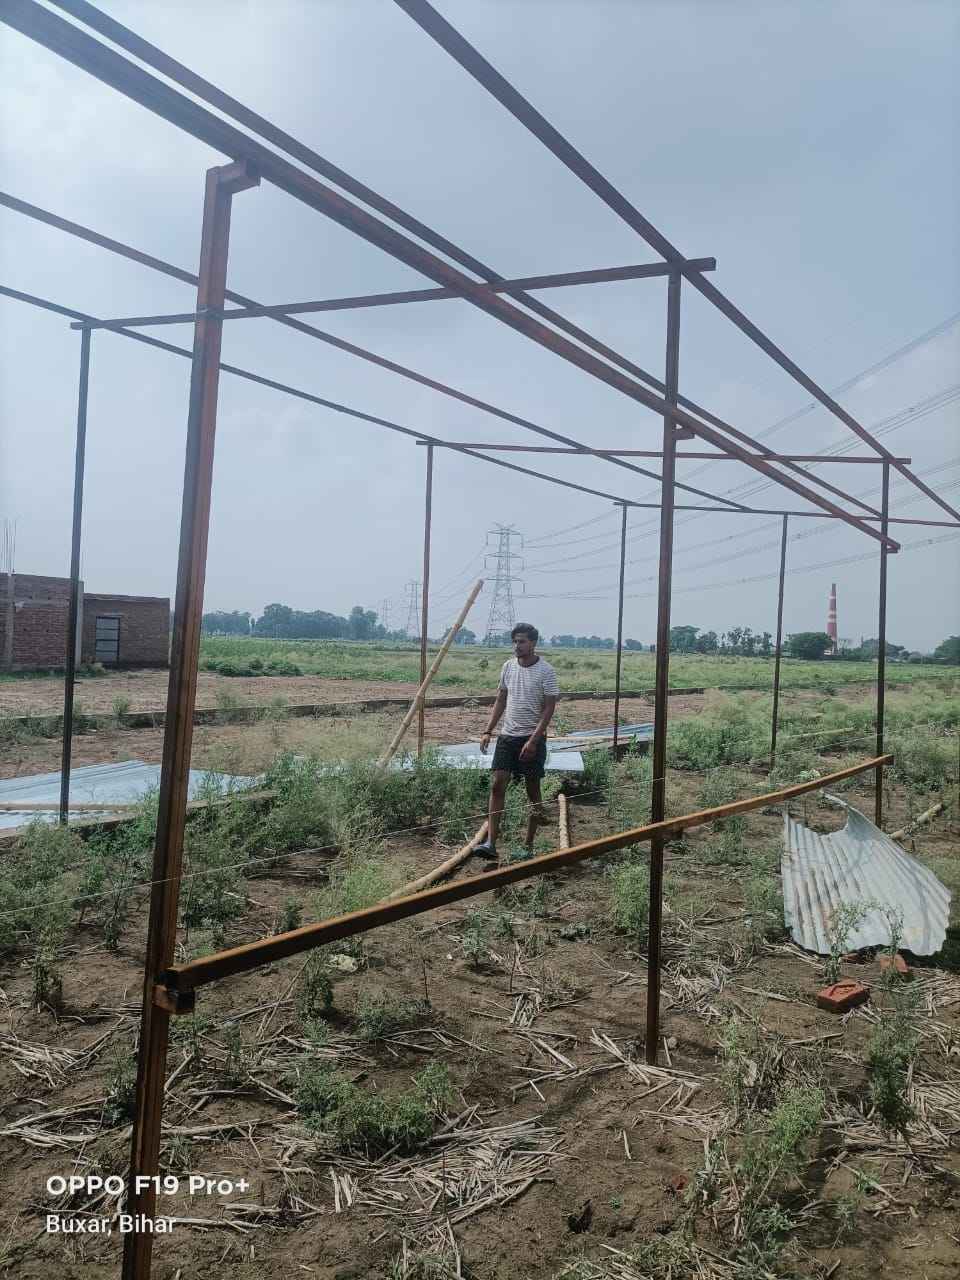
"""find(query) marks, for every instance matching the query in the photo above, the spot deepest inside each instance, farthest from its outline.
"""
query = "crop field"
(465, 1094)
(474, 667)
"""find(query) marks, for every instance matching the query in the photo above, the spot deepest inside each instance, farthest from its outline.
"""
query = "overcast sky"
(810, 148)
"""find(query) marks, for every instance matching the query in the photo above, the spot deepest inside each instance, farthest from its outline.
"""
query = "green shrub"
(213, 890)
(314, 993)
(726, 732)
(120, 1103)
(38, 879)
(891, 1052)
(475, 938)
(379, 1015)
(366, 1122)
(629, 786)
(300, 816)
(279, 667)
(923, 761)
(763, 902)
(631, 899)
(121, 708)
(844, 920)
(597, 763)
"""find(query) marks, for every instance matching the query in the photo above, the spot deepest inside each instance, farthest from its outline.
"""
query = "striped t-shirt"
(527, 688)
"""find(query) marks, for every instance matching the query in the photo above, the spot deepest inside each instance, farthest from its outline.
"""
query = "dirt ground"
(522, 1032)
(147, 691)
(535, 1033)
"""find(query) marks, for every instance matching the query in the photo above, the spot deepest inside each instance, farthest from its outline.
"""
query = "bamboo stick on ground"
(920, 821)
(564, 805)
(434, 667)
(444, 869)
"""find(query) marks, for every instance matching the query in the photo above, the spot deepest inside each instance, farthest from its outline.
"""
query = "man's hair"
(525, 629)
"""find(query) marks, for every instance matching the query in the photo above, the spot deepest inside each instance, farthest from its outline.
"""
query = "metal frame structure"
(169, 988)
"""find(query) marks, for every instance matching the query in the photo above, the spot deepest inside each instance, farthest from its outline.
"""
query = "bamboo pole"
(425, 683)
(444, 869)
(564, 805)
(920, 821)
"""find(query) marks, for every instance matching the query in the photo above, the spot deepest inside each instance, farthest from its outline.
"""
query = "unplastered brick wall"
(39, 615)
(144, 631)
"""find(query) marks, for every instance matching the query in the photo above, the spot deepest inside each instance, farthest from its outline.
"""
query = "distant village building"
(117, 631)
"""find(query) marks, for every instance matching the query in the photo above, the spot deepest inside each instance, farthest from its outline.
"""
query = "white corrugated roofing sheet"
(467, 755)
(638, 732)
(123, 783)
(859, 864)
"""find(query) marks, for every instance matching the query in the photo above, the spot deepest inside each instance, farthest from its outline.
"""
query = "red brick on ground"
(843, 995)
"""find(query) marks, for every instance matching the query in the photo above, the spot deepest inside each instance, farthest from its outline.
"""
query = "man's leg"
(499, 781)
(536, 817)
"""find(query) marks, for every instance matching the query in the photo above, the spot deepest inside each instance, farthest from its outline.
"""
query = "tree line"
(281, 622)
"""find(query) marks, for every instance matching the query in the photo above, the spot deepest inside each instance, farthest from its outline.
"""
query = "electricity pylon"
(502, 611)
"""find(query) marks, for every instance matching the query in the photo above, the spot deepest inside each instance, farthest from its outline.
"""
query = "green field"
(474, 669)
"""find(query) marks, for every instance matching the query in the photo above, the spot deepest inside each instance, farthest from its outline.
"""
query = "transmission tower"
(412, 628)
(384, 614)
(502, 612)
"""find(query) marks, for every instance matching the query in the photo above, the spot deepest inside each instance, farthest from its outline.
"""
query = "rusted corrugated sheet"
(859, 864)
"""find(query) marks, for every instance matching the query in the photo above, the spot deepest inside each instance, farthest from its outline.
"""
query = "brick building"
(117, 631)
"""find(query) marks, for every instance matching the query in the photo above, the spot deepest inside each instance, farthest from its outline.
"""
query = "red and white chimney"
(832, 616)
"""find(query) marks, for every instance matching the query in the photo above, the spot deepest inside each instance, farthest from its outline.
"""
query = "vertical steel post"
(73, 615)
(623, 563)
(776, 663)
(221, 185)
(658, 798)
(425, 593)
(882, 643)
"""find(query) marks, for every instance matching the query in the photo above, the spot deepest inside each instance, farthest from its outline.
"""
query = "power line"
(759, 577)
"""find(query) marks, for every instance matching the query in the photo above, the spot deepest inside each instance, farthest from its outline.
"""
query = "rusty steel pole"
(658, 797)
(425, 593)
(779, 649)
(623, 564)
(73, 615)
(882, 644)
(221, 185)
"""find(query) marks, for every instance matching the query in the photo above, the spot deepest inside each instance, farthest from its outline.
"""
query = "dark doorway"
(107, 640)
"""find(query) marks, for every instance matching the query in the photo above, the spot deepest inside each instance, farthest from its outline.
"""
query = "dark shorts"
(506, 758)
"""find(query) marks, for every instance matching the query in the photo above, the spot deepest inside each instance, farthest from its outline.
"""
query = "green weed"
(119, 1105)
(379, 1015)
(362, 1121)
(314, 990)
(631, 900)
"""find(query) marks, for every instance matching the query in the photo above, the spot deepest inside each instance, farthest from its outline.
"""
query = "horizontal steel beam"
(75, 46)
(340, 344)
(423, 438)
(602, 275)
(223, 964)
(472, 61)
(656, 453)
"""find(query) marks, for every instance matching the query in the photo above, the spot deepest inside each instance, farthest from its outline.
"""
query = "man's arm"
(496, 711)
(549, 707)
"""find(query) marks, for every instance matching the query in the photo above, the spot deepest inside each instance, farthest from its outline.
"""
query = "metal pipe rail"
(560, 280)
(178, 980)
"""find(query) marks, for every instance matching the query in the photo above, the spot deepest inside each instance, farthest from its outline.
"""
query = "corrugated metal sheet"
(123, 783)
(467, 755)
(639, 732)
(859, 864)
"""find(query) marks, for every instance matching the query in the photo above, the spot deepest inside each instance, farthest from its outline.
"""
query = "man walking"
(528, 693)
